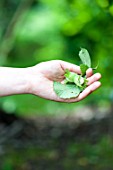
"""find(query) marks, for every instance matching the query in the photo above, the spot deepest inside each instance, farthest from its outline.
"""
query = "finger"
(89, 72)
(70, 67)
(93, 78)
(84, 94)
(89, 90)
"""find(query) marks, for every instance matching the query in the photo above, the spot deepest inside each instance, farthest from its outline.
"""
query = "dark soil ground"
(46, 144)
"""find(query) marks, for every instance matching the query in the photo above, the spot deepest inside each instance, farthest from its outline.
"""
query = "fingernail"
(98, 75)
(89, 70)
(98, 83)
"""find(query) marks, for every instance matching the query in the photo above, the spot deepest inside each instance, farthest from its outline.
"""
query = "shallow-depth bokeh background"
(39, 134)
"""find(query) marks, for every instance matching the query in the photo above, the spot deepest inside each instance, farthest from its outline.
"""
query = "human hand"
(44, 74)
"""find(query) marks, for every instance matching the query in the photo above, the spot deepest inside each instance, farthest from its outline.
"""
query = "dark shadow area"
(45, 143)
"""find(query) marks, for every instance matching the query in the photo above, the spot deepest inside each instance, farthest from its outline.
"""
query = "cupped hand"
(44, 74)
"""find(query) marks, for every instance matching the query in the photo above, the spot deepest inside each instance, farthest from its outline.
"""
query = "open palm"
(44, 74)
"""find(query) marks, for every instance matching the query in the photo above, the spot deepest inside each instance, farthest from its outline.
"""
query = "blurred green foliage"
(32, 31)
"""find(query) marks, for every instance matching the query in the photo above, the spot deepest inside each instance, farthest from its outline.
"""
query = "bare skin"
(38, 80)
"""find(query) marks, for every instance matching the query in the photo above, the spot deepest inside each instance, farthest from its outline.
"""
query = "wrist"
(23, 81)
(33, 80)
(13, 81)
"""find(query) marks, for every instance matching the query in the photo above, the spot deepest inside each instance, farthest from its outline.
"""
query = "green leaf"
(83, 69)
(76, 80)
(84, 85)
(73, 78)
(79, 80)
(66, 91)
(70, 76)
(85, 57)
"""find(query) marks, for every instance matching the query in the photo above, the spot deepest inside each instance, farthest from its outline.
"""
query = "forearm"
(13, 81)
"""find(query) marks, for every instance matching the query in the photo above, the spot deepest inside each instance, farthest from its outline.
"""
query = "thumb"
(70, 67)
